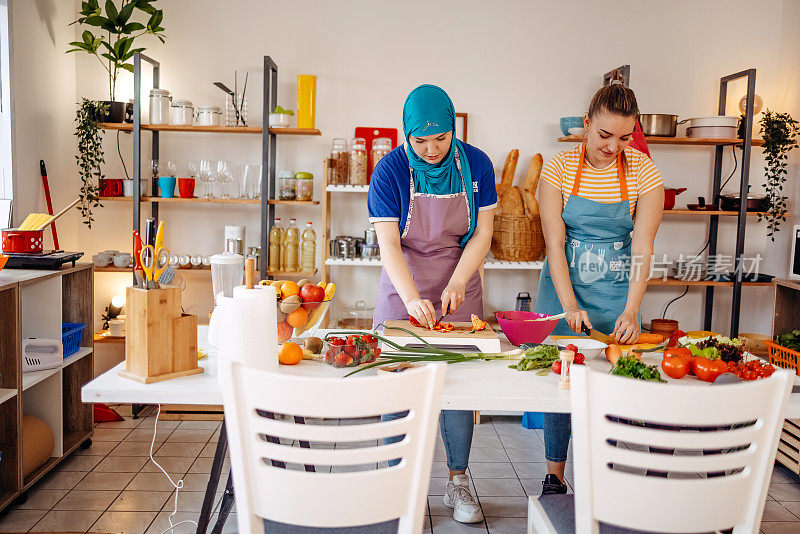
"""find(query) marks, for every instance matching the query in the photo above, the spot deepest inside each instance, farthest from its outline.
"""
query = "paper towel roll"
(247, 330)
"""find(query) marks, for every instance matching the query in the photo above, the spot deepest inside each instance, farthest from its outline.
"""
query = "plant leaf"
(133, 27)
(125, 14)
(111, 10)
(95, 20)
(128, 66)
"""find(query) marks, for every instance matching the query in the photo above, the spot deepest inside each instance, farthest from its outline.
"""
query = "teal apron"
(598, 250)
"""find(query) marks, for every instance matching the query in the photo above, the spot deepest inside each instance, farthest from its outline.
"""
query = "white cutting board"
(486, 340)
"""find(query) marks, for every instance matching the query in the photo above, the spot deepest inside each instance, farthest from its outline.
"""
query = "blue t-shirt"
(390, 192)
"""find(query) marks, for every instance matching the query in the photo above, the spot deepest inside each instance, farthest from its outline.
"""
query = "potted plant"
(280, 117)
(90, 156)
(779, 131)
(111, 38)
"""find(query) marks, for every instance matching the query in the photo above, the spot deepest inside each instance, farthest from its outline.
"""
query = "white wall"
(515, 67)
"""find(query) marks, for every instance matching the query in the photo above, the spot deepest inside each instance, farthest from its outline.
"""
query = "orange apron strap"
(623, 181)
(577, 183)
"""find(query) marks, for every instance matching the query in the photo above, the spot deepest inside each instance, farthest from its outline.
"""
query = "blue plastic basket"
(531, 420)
(71, 337)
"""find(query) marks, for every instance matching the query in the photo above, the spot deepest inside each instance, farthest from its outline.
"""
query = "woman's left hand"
(626, 329)
(453, 295)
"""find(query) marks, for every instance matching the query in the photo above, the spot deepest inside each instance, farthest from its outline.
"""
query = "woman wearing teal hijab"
(432, 202)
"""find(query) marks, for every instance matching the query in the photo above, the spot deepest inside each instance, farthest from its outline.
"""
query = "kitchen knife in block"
(486, 340)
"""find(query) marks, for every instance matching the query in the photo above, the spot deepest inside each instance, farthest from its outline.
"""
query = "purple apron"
(430, 244)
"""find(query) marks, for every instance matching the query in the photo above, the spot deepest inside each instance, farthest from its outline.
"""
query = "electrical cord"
(664, 315)
(735, 166)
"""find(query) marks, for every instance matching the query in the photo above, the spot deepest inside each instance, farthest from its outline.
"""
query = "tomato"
(708, 370)
(556, 367)
(368, 339)
(571, 347)
(674, 366)
(674, 337)
(413, 321)
(351, 340)
(683, 352)
(579, 358)
(336, 341)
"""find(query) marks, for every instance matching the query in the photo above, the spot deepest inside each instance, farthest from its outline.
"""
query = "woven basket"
(517, 238)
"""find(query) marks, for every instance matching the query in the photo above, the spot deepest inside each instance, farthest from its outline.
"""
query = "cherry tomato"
(674, 366)
(351, 340)
(336, 341)
(572, 347)
(368, 338)
(579, 358)
(556, 367)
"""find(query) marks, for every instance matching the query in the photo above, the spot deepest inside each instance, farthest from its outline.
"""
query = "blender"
(227, 272)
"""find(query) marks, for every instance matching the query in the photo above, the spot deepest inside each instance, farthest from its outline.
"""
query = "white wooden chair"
(278, 497)
(725, 440)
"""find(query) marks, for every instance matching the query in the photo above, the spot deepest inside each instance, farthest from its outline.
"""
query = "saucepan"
(669, 196)
(22, 241)
(659, 124)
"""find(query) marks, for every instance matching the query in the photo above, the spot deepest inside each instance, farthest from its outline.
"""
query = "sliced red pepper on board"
(477, 323)
(414, 322)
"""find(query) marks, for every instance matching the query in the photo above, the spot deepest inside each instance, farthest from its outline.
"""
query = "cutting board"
(486, 340)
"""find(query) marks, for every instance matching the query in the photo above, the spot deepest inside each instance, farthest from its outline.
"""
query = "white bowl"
(279, 120)
(101, 261)
(122, 260)
(586, 346)
(576, 131)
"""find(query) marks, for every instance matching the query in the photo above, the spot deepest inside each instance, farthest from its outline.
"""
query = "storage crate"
(71, 337)
(783, 357)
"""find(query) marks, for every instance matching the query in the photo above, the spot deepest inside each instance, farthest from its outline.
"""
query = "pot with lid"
(731, 202)
(659, 124)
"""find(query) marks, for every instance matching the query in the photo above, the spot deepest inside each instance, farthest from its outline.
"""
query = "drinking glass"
(192, 168)
(169, 169)
(251, 181)
(207, 173)
(225, 176)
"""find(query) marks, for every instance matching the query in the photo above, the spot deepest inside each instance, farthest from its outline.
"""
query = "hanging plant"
(90, 156)
(779, 131)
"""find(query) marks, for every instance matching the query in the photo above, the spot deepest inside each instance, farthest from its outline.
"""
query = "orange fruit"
(289, 288)
(284, 331)
(290, 353)
(298, 318)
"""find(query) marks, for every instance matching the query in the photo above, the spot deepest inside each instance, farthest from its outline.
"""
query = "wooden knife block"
(161, 342)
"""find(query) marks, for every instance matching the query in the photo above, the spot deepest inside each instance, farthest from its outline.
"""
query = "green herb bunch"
(633, 368)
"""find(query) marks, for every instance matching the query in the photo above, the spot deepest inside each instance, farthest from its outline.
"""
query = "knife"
(446, 313)
(594, 334)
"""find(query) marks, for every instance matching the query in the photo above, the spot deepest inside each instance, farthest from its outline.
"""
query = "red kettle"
(669, 196)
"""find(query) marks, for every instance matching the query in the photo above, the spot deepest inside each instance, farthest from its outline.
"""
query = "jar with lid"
(358, 317)
(181, 113)
(358, 162)
(305, 185)
(208, 115)
(338, 162)
(159, 106)
(287, 186)
(380, 147)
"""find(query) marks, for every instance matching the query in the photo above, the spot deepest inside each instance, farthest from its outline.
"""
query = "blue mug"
(166, 184)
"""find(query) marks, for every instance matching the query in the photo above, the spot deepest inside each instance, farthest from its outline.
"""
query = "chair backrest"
(335, 498)
(624, 427)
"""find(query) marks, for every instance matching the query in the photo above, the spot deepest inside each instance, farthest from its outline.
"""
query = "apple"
(311, 296)
(284, 331)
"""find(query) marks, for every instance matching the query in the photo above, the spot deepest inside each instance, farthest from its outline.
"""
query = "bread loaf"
(531, 204)
(507, 178)
(512, 203)
(534, 170)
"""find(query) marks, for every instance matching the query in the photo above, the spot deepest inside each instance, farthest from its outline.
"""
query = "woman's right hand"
(422, 311)
(576, 318)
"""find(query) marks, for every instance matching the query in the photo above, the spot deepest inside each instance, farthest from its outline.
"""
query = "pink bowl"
(519, 327)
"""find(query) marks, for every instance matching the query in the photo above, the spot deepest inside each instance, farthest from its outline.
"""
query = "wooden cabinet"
(35, 304)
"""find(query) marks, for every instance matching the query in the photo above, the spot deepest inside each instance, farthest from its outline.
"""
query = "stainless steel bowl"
(659, 124)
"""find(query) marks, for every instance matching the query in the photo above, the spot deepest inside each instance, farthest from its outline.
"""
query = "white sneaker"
(458, 497)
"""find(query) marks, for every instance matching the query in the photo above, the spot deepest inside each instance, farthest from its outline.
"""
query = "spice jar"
(181, 113)
(287, 186)
(358, 162)
(159, 106)
(208, 115)
(380, 147)
(304, 182)
(338, 162)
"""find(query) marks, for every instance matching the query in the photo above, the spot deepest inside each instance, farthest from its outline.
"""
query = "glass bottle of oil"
(275, 241)
(292, 247)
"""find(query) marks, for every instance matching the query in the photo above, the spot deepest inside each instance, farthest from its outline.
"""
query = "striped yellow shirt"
(602, 185)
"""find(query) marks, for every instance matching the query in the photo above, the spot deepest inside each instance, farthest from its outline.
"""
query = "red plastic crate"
(783, 357)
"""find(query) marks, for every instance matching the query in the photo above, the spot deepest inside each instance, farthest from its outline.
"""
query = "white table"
(470, 386)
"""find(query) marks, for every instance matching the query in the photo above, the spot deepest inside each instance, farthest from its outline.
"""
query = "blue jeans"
(557, 428)
(456, 427)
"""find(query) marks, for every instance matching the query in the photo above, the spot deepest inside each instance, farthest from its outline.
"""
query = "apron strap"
(623, 182)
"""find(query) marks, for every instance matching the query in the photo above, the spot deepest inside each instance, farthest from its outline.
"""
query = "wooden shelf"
(6, 394)
(707, 213)
(126, 127)
(347, 188)
(128, 270)
(676, 282)
(32, 378)
(99, 337)
(6, 497)
(74, 438)
(294, 202)
(653, 140)
(490, 264)
(83, 351)
(294, 274)
(354, 262)
(42, 470)
(194, 200)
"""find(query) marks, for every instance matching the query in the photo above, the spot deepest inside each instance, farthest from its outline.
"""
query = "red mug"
(186, 187)
(111, 187)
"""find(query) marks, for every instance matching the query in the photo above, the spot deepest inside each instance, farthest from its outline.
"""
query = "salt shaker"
(567, 357)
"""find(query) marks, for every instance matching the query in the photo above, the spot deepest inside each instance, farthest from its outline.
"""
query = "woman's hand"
(626, 329)
(453, 295)
(422, 311)
(576, 318)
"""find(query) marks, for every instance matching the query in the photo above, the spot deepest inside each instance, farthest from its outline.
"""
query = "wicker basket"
(517, 238)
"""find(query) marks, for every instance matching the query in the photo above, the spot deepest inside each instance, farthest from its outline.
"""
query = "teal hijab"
(429, 111)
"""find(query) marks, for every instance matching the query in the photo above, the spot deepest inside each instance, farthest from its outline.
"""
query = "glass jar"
(159, 106)
(337, 174)
(358, 317)
(287, 186)
(236, 110)
(358, 162)
(305, 185)
(181, 113)
(380, 147)
(208, 115)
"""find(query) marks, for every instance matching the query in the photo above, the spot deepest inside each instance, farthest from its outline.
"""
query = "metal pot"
(731, 202)
(659, 124)
(669, 196)
(22, 241)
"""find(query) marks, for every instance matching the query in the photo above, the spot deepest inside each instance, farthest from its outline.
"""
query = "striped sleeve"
(647, 177)
(553, 171)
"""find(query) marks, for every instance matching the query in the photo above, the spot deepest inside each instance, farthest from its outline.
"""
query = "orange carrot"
(645, 338)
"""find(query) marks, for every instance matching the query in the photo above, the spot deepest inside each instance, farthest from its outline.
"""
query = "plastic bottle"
(291, 245)
(308, 253)
(275, 239)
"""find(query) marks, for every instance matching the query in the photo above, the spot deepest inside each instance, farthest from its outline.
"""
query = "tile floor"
(112, 487)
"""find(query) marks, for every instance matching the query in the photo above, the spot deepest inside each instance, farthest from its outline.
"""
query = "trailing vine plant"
(90, 156)
(779, 131)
